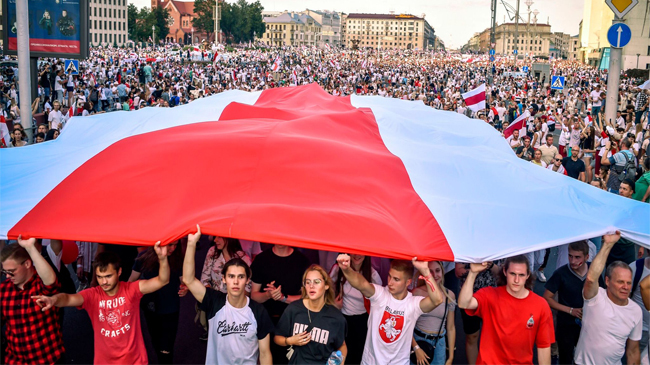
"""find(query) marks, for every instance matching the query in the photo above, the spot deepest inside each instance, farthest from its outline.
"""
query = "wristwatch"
(284, 299)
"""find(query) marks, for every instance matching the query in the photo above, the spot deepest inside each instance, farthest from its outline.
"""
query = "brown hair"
(519, 259)
(580, 246)
(404, 266)
(329, 293)
(15, 252)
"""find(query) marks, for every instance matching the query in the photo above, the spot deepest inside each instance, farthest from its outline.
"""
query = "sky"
(454, 21)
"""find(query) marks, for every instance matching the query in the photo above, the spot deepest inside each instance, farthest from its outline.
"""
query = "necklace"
(309, 312)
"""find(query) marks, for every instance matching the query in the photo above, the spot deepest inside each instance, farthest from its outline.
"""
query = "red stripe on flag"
(475, 99)
(300, 167)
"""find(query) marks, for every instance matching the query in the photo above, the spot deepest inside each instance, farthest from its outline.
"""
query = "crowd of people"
(275, 304)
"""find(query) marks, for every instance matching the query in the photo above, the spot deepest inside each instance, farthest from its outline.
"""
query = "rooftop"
(383, 16)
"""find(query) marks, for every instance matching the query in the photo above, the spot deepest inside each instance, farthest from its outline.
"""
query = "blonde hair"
(444, 290)
(329, 293)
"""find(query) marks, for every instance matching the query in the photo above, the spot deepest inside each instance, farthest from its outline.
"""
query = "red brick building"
(181, 14)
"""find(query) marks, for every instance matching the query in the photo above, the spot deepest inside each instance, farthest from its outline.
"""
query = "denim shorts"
(440, 353)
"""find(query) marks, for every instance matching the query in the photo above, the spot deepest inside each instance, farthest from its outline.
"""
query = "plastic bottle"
(336, 358)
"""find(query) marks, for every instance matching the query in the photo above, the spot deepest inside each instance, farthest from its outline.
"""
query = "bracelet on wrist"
(417, 347)
(571, 311)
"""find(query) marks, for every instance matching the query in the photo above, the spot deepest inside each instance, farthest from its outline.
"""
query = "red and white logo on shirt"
(391, 326)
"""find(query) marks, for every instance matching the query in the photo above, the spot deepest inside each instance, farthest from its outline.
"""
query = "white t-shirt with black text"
(234, 332)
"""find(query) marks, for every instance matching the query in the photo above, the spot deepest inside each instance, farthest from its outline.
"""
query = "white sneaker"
(541, 277)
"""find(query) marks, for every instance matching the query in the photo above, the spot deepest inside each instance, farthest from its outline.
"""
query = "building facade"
(597, 19)
(560, 45)
(394, 31)
(291, 29)
(574, 48)
(108, 22)
(181, 14)
(533, 40)
(330, 22)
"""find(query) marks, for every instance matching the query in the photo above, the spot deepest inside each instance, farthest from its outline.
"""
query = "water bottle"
(336, 358)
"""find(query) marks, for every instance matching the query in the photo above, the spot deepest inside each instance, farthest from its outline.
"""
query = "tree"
(204, 22)
(241, 21)
(159, 17)
(141, 21)
(132, 15)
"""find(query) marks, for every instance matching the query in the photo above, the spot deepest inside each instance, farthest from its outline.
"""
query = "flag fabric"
(475, 99)
(214, 58)
(72, 111)
(5, 137)
(298, 166)
(519, 123)
(276, 64)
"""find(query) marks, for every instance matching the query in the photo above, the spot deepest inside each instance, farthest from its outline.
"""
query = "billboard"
(57, 28)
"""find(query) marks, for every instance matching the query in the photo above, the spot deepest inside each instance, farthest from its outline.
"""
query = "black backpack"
(629, 170)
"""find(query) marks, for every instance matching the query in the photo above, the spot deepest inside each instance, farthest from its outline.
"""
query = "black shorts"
(471, 324)
(69, 88)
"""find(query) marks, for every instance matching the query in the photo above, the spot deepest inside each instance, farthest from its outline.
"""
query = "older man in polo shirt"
(548, 150)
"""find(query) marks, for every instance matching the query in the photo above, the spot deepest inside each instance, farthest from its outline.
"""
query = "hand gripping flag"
(297, 166)
(475, 99)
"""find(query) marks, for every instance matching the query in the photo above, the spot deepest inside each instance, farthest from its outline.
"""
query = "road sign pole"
(24, 83)
(613, 79)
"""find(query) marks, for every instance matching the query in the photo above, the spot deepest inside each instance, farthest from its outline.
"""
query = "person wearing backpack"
(621, 164)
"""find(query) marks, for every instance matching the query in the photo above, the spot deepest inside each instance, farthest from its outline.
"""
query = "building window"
(95, 37)
(105, 26)
(114, 25)
(104, 12)
(100, 38)
(110, 27)
(648, 50)
(120, 25)
(95, 11)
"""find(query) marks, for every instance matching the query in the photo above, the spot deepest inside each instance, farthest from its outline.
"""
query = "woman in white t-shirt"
(353, 305)
(434, 326)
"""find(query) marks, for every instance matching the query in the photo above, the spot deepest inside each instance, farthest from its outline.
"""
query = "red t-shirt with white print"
(116, 324)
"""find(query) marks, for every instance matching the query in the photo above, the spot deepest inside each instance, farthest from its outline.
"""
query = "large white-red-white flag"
(475, 99)
(519, 123)
(373, 176)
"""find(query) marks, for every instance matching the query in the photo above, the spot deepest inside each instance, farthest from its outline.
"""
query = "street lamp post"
(637, 60)
(153, 31)
(192, 35)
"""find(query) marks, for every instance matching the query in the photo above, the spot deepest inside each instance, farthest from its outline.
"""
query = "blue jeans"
(440, 353)
(595, 113)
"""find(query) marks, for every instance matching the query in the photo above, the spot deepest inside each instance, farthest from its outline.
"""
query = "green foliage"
(637, 73)
(141, 22)
(240, 22)
(204, 22)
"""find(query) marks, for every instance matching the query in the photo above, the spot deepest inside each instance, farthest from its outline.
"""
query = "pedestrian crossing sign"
(557, 82)
(71, 67)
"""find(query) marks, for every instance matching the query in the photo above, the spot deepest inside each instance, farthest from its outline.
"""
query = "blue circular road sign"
(619, 35)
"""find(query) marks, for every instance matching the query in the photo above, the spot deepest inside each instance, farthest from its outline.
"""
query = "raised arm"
(153, 284)
(354, 278)
(59, 300)
(43, 269)
(466, 298)
(189, 278)
(435, 297)
(598, 265)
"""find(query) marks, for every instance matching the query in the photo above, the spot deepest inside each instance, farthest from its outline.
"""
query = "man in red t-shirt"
(114, 308)
(514, 318)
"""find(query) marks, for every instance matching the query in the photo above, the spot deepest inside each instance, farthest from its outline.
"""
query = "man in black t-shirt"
(567, 282)
(574, 166)
(277, 276)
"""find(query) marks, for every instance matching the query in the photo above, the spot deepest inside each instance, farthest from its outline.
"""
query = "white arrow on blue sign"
(491, 52)
(525, 68)
(619, 35)
(515, 51)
